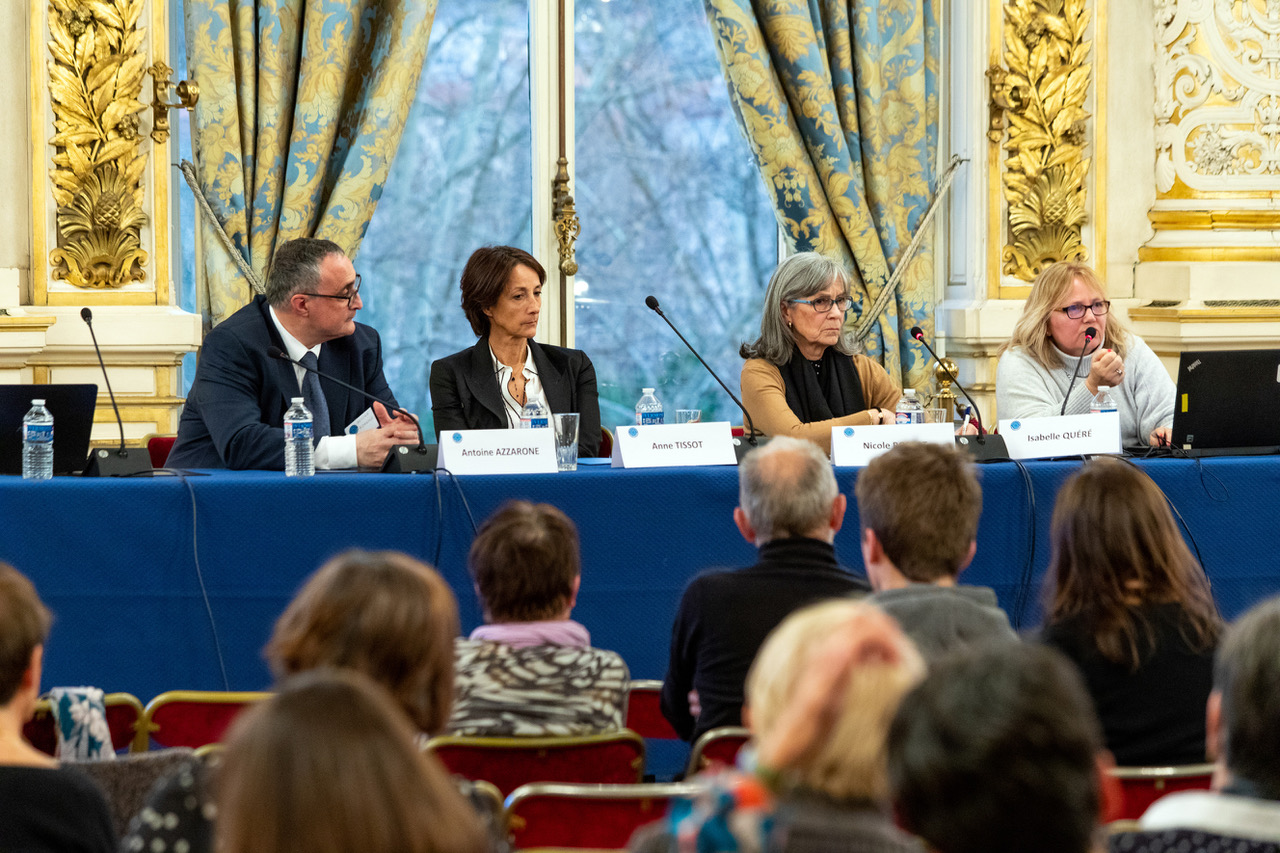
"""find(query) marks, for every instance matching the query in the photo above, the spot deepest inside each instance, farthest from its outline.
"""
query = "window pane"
(462, 178)
(671, 204)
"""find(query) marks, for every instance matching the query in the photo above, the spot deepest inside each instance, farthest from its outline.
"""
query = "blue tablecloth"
(122, 562)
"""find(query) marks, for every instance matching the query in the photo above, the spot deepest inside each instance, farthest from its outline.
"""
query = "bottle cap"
(1102, 388)
(37, 402)
(647, 390)
(302, 400)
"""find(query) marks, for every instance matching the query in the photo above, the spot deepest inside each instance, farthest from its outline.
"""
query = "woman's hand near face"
(1107, 369)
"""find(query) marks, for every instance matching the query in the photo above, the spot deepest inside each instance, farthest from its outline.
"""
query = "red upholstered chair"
(606, 444)
(123, 712)
(158, 447)
(596, 817)
(1142, 786)
(718, 746)
(191, 717)
(644, 711)
(509, 762)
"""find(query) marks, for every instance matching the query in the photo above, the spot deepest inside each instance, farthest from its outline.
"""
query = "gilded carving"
(1045, 49)
(95, 78)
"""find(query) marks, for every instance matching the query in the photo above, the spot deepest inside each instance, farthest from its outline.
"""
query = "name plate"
(859, 445)
(498, 451)
(673, 445)
(1070, 435)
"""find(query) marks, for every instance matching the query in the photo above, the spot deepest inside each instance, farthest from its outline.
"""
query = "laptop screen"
(72, 409)
(1229, 399)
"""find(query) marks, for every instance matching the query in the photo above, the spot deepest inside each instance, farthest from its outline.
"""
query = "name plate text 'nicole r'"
(1070, 435)
(673, 445)
(858, 445)
(498, 451)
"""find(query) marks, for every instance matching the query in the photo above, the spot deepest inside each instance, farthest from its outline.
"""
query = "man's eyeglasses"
(1075, 312)
(349, 298)
(822, 304)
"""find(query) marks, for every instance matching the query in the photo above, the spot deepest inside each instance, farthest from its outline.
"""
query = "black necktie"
(313, 397)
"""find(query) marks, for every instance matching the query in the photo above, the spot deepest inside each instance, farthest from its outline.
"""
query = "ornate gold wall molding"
(1042, 82)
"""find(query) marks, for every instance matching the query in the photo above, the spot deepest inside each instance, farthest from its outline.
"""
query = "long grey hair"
(800, 276)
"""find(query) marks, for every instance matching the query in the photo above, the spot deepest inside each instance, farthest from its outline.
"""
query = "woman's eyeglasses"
(1075, 312)
(823, 304)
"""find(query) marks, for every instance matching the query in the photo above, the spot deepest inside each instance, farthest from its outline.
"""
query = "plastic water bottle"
(37, 443)
(910, 410)
(1102, 401)
(534, 416)
(648, 410)
(299, 452)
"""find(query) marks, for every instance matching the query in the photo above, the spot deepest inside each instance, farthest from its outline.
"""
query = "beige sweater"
(765, 397)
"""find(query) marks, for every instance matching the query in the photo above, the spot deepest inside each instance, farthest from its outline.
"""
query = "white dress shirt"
(532, 387)
(333, 451)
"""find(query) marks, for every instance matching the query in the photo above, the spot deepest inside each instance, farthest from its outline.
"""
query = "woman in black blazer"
(486, 386)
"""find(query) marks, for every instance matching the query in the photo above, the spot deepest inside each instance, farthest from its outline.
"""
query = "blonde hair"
(850, 764)
(1031, 332)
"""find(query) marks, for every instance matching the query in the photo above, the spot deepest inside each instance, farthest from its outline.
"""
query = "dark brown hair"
(329, 765)
(295, 268)
(923, 503)
(1115, 547)
(485, 277)
(523, 561)
(24, 624)
(383, 614)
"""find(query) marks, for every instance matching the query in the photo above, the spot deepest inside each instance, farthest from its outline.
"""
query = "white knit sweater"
(1144, 399)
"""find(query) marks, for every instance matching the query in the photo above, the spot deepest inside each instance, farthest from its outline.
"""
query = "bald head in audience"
(787, 488)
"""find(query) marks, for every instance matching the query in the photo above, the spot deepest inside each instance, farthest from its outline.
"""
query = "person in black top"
(790, 508)
(1129, 604)
(43, 807)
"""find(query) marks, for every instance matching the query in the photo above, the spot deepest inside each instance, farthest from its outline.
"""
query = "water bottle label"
(297, 429)
(650, 418)
(540, 422)
(38, 433)
(915, 417)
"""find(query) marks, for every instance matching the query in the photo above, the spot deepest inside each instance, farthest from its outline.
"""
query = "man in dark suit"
(791, 509)
(234, 415)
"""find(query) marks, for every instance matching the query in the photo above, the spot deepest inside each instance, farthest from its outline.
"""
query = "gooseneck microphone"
(1089, 334)
(652, 302)
(918, 334)
(402, 458)
(123, 461)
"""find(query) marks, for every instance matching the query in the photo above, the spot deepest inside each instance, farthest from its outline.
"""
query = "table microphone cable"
(1028, 567)
(204, 591)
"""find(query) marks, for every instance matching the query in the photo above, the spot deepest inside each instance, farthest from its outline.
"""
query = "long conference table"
(161, 583)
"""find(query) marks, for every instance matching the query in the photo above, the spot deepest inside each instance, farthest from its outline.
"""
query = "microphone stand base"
(983, 448)
(742, 445)
(117, 462)
(411, 459)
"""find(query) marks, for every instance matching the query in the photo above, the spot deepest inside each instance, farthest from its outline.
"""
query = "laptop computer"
(72, 409)
(1228, 403)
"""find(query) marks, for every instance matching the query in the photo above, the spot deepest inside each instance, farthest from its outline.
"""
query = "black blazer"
(234, 415)
(465, 392)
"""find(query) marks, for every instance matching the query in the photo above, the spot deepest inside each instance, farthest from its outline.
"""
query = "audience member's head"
(1114, 548)
(1244, 708)
(919, 504)
(383, 614)
(996, 752)
(329, 765)
(525, 565)
(787, 489)
(821, 693)
(24, 625)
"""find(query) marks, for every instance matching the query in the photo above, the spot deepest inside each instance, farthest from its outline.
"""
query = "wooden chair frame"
(708, 741)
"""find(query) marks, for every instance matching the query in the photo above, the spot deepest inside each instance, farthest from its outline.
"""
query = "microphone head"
(86, 314)
(1090, 333)
(651, 301)
(275, 352)
(917, 333)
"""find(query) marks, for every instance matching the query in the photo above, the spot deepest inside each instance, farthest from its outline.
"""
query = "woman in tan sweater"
(803, 375)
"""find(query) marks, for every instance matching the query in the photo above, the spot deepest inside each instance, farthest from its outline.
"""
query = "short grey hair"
(1247, 675)
(786, 488)
(798, 277)
(296, 268)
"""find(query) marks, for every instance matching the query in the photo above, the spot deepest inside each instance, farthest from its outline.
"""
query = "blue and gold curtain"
(302, 104)
(839, 99)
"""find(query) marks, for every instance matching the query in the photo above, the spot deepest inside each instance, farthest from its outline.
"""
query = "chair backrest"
(509, 762)
(597, 817)
(606, 443)
(644, 711)
(123, 713)
(1142, 786)
(191, 717)
(158, 447)
(718, 746)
